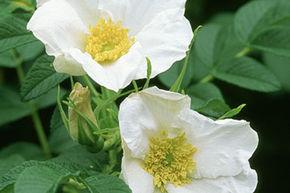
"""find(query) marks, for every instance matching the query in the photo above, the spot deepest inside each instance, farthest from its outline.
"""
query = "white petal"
(166, 39)
(135, 14)
(115, 8)
(87, 10)
(134, 175)
(117, 75)
(245, 182)
(223, 147)
(59, 26)
(148, 113)
(66, 64)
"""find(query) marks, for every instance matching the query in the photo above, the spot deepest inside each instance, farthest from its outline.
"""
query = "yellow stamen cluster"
(108, 41)
(169, 160)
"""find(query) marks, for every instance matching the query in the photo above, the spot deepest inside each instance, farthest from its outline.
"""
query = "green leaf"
(40, 79)
(12, 108)
(80, 156)
(280, 66)
(13, 33)
(49, 98)
(205, 43)
(13, 174)
(227, 45)
(232, 112)
(275, 39)
(214, 108)
(10, 162)
(39, 179)
(59, 140)
(250, 16)
(202, 93)
(7, 189)
(106, 184)
(30, 51)
(247, 73)
(4, 7)
(10, 177)
(224, 18)
(26, 150)
(259, 24)
(26, 52)
(216, 44)
(198, 70)
(7, 59)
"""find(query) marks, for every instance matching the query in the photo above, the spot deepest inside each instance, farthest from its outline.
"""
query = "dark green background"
(269, 114)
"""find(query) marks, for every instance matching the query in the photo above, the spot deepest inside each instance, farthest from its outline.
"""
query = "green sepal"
(149, 71)
(232, 112)
(83, 139)
(97, 146)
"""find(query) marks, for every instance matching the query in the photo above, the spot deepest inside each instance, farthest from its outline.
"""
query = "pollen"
(108, 41)
(169, 160)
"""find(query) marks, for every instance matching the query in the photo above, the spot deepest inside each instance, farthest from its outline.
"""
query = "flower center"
(108, 41)
(169, 160)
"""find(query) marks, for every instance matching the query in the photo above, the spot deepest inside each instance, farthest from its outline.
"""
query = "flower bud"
(81, 117)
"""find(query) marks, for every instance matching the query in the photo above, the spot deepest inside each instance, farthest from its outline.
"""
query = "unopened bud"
(79, 127)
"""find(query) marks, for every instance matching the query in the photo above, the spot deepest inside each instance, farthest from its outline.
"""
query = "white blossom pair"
(110, 39)
(169, 147)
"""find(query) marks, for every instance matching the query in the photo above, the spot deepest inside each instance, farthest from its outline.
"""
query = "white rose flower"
(170, 148)
(109, 39)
